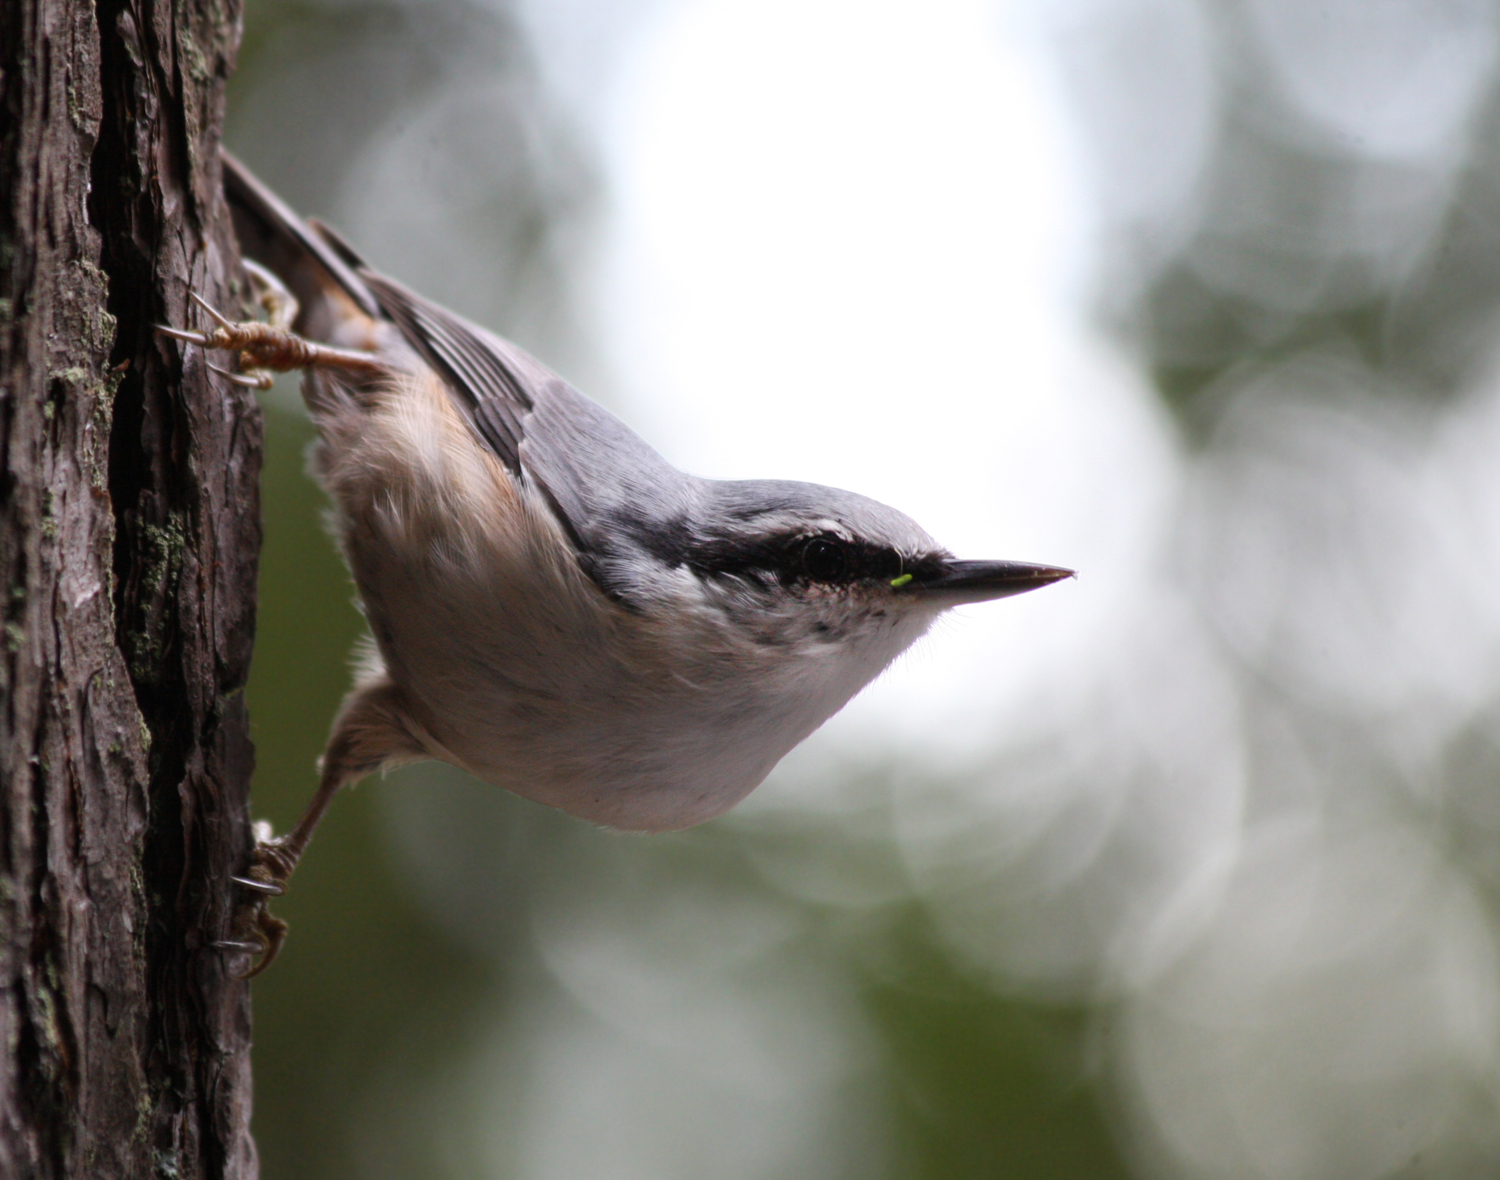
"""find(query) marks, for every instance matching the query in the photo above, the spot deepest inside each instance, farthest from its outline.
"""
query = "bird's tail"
(314, 263)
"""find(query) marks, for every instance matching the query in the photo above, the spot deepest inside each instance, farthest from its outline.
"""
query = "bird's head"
(745, 614)
(809, 575)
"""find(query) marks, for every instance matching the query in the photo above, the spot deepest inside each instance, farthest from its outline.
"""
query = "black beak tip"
(1030, 577)
(980, 581)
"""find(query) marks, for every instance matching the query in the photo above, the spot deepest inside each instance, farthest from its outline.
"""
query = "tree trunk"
(129, 531)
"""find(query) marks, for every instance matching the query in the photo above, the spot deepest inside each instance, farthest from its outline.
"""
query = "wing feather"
(607, 488)
(481, 377)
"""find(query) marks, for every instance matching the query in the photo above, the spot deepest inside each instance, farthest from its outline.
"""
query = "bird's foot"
(256, 931)
(267, 349)
(279, 304)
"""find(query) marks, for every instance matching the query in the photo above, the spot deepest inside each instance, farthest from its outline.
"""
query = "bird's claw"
(199, 338)
(268, 348)
(269, 888)
(261, 935)
(279, 304)
(257, 343)
(250, 378)
(215, 314)
(256, 931)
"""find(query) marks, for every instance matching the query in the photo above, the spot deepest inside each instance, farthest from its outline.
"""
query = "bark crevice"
(129, 533)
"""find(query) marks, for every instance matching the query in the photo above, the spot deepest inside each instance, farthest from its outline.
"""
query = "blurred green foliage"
(365, 986)
(983, 1087)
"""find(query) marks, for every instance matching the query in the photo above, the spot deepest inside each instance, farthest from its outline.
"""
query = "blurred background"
(1189, 869)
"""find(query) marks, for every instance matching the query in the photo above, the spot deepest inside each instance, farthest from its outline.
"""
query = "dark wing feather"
(615, 497)
(483, 381)
(272, 234)
(336, 242)
(608, 489)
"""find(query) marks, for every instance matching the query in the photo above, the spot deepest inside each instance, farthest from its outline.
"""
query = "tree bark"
(129, 532)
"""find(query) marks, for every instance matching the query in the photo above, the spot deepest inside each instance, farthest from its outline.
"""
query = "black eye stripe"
(821, 559)
(769, 559)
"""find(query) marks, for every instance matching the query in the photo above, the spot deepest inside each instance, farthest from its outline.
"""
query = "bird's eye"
(824, 560)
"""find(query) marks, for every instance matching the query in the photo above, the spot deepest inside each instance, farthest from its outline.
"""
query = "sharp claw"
(256, 380)
(272, 933)
(269, 888)
(219, 318)
(251, 948)
(261, 966)
(181, 334)
(256, 271)
(280, 304)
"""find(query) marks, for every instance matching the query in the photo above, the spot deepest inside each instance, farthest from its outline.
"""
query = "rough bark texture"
(129, 529)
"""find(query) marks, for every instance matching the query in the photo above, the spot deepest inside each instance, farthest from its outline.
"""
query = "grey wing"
(609, 490)
(483, 381)
(607, 487)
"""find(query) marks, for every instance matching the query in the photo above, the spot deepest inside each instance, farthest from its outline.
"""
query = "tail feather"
(311, 265)
(337, 243)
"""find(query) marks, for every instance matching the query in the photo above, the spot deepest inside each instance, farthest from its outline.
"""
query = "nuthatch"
(554, 607)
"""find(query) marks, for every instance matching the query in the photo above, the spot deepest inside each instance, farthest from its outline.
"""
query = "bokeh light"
(1186, 870)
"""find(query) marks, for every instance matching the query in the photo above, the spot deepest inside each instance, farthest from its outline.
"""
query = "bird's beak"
(958, 582)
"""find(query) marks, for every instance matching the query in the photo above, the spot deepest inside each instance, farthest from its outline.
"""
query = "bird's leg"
(374, 731)
(270, 348)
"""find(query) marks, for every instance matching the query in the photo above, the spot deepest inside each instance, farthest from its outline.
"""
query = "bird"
(553, 606)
